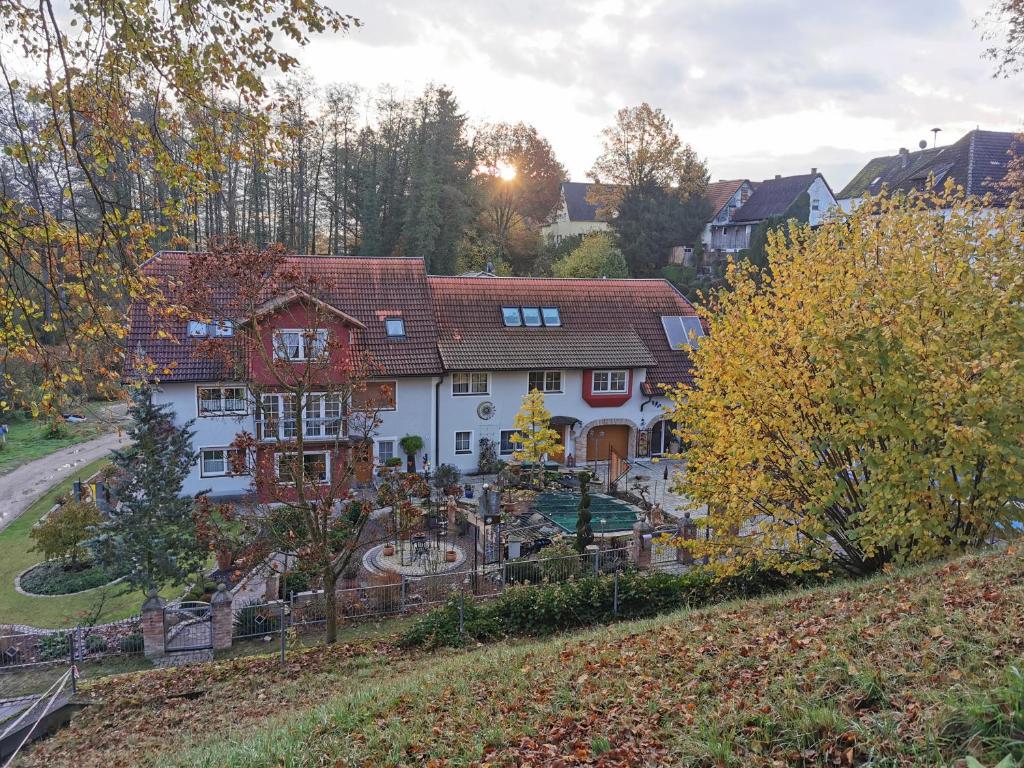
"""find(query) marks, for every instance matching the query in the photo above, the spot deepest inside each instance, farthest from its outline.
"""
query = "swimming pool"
(560, 508)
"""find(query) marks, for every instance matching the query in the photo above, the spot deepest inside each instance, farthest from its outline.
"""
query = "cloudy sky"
(757, 88)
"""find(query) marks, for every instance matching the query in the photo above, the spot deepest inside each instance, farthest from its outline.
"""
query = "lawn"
(911, 668)
(27, 438)
(56, 611)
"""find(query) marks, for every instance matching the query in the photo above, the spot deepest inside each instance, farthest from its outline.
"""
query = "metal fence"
(391, 594)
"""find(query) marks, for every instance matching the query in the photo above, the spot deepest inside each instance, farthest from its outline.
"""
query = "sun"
(506, 171)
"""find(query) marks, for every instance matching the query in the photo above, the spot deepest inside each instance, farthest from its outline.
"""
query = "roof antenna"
(922, 144)
(935, 136)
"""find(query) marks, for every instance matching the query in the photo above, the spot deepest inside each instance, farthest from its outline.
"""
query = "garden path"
(22, 486)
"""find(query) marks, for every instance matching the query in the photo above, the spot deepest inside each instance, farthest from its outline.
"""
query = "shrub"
(446, 476)
(542, 610)
(60, 535)
(394, 461)
(298, 581)
(95, 643)
(55, 646)
(132, 643)
(489, 462)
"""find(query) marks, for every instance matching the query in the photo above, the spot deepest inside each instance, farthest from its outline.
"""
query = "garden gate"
(187, 627)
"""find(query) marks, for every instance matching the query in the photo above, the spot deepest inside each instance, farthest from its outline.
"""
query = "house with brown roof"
(455, 354)
(730, 232)
(576, 215)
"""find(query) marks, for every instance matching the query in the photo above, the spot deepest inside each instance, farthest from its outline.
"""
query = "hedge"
(549, 608)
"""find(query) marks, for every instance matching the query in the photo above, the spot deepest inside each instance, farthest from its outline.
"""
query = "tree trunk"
(330, 579)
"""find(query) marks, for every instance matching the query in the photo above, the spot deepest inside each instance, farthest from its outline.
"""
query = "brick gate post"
(153, 625)
(641, 544)
(687, 532)
(221, 618)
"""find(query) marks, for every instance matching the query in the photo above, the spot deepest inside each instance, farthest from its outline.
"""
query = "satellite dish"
(922, 144)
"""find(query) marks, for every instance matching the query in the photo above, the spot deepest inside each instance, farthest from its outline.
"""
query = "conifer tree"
(151, 534)
(533, 433)
(584, 531)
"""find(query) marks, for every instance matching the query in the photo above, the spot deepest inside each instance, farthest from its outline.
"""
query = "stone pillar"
(687, 532)
(221, 618)
(272, 588)
(640, 549)
(153, 625)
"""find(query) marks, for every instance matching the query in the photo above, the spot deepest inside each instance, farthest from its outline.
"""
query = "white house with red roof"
(457, 355)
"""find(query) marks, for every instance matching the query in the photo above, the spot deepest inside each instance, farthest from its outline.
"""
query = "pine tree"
(584, 531)
(151, 534)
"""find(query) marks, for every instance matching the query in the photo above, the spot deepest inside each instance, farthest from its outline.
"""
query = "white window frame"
(376, 448)
(501, 441)
(223, 411)
(469, 450)
(305, 336)
(387, 327)
(227, 461)
(288, 423)
(320, 420)
(544, 374)
(327, 466)
(470, 392)
(608, 390)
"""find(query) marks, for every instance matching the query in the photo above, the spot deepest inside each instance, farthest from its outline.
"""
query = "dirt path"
(21, 487)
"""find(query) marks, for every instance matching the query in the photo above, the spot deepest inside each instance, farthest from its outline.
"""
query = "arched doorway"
(663, 438)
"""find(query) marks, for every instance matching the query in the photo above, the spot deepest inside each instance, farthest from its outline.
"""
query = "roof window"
(395, 326)
(531, 316)
(551, 315)
(678, 330)
(511, 316)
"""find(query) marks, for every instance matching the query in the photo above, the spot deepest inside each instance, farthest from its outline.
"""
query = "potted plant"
(446, 477)
(411, 445)
(389, 549)
(390, 464)
(450, 556)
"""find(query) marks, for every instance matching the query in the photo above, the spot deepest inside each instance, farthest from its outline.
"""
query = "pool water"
(561, 507)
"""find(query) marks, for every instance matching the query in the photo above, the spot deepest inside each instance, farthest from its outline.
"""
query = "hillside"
(916, 668)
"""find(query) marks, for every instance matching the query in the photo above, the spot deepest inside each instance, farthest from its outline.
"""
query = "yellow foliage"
(535, 437)
(863, 403)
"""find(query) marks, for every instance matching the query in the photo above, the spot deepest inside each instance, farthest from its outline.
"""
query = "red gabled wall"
(603, 400)
(300, 315)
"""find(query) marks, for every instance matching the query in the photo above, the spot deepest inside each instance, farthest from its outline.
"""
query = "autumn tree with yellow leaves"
(534, 434)
(864, 403)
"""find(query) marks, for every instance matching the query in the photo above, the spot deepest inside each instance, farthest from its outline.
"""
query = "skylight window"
(197, 329)
(395, 326)
(511, 316)
(552, 317)
(679, 329)
(531, 316)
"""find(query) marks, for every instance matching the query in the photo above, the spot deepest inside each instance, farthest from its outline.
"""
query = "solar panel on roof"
(678, 329)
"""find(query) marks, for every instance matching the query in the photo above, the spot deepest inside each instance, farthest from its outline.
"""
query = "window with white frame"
(315, 468)
(217, 462)
(300, 345)
(395, 326)
(470, 384)
(385, 450)
(546, 381)
(217, 401)
(508, 445)
(609, 382)
(463, 442)
(323, 416)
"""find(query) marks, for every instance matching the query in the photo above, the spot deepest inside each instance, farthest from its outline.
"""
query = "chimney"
(904, 157)
(778, 175)
(814, 171)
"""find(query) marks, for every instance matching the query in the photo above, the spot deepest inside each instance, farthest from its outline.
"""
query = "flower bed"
(53, 578)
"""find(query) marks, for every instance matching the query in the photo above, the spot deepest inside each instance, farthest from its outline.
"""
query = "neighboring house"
(726, 197)
(461, 358)
(770, 198)
(978, 162)
(576, 216)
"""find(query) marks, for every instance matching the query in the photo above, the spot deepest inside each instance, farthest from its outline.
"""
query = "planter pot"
(389, 550)
(224, 560)
(468, 491)
(449, 556)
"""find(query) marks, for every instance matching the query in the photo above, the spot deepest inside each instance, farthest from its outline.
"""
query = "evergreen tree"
(596, 256)
(584, 531)
(151, 534)
(757, 251)
(651, 221)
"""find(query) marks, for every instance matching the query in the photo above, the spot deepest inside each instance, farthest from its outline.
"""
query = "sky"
(757, 88)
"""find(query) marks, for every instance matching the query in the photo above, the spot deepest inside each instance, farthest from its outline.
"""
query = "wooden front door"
(558, 453)
(600, 438)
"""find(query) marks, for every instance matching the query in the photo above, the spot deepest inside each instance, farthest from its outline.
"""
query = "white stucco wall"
(459, 412)
(210, 432)
(819, 191)
(413, 415)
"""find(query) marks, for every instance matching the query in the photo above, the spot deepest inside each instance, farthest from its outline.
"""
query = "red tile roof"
(719, 193)
(604, 323)
(366, 289)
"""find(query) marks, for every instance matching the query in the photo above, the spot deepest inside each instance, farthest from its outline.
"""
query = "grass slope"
(911, 669)
(51, 612)
(27, 439)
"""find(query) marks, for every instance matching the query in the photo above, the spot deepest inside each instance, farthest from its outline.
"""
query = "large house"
(457, 353)
(748, 204)
(978, 162)
(575, 215)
